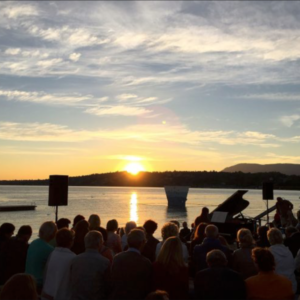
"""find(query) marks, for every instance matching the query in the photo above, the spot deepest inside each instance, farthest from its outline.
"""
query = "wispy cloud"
(118, 110)
(273, 96)
(45, 98)
(289, 121)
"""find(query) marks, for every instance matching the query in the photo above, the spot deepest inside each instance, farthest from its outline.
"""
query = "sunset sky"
(89, 87)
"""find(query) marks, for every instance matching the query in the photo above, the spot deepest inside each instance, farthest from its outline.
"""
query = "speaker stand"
(56, 213)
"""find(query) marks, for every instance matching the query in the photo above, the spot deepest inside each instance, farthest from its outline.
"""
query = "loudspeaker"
(268, 191)
(58, 190)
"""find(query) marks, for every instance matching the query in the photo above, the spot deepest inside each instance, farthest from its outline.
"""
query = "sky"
(88, 87)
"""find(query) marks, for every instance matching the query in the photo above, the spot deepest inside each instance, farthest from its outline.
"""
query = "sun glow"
(134, 168)
(133, 207)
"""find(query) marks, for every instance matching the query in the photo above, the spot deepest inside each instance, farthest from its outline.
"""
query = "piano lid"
(233, 205)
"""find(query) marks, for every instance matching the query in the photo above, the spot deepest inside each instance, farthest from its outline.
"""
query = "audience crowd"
(89, 262)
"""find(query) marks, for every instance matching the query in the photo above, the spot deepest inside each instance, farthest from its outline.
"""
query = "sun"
(134, 168)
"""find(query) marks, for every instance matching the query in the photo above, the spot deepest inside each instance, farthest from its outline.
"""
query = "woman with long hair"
(113, 239)
(198, 236)
(170, 272)
(81, 229)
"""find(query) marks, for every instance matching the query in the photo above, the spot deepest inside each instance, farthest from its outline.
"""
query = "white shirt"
(57, 278)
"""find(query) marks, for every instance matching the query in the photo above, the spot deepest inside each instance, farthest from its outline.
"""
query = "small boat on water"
(176, 195)
(17, 207)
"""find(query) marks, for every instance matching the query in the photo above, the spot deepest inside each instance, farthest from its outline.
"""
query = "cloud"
(75, 56)
(20, 10)
(12, 51)
(143, 133)
(124, 97)
(288, 121)
(49, 63)
(118, 110)
(272, 96)
(45, 98)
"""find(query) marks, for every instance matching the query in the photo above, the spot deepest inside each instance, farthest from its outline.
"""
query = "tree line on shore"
(195, 179)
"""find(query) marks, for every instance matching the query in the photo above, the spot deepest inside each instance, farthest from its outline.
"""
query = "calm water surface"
(124, 204)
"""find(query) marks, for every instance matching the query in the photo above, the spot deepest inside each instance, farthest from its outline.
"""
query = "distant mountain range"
(287, 169)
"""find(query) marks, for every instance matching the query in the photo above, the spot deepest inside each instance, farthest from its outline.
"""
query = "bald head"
(216, 258)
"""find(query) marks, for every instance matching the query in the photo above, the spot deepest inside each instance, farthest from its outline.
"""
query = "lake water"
(124, 204)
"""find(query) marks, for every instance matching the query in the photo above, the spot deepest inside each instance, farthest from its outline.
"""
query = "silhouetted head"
(200, 231)
(262, 232)
(93, 240)
(205, 211)
(244, 237)
(7, 230)
(94, 221)
(25, 233)
(212, 231)
(275, 236)
(279, 199)
(158, 295)
(129, 226)
(20, 286)
(47, 231)
(150, 227)
(216, 258)
(63, 223)
(65, 238)
(264, 259)
(77, 219)
(169, 229)
(184, 224)
(112, 225)
(136, 239)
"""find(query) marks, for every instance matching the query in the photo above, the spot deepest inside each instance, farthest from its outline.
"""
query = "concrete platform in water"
(176, 195)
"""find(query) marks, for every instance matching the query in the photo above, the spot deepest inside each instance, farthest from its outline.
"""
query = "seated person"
(267, 284)
(218, 281)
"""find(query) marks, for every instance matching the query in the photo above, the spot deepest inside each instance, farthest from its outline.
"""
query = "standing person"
(284, 208)
(90, 271)
(170, 273)
(81, 229)
(39, 251)
(285, 264)
(203, 218)
(113, 239)
(6, 232)
(185, 232)
(129, 226)
(132, 272)
(218, 281)
(57, 276)
(170, 229)
(150, 246)
(77, 219)
(267, 284)
(242, 261)
(14, 253)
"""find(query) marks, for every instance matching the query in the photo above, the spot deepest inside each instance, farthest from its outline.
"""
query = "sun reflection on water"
(133, 208)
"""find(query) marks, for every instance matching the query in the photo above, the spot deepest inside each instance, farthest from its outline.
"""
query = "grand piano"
(228, 215)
